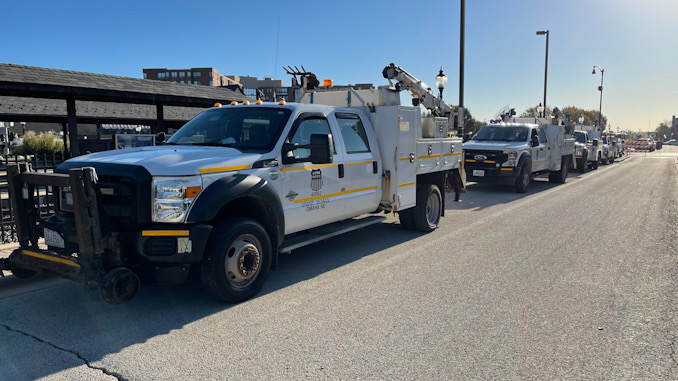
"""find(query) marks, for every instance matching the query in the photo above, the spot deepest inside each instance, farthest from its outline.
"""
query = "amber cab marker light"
(258, 101)
(245, 102)
(217, 104)
(327, 82)
(192, 191)
(282, 102)
(233, 103)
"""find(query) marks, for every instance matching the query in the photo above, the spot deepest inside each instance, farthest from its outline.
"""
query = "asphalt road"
(567, 282)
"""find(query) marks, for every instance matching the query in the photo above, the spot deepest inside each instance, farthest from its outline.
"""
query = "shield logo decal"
(316, 180)
(480, 157)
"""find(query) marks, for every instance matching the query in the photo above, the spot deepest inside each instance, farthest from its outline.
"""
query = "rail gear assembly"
(234, 187)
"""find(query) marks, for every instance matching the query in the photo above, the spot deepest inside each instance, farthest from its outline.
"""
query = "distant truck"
(586, 151)
(515, 151)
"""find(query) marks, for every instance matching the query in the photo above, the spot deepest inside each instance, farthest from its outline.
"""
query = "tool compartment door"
(396, 128)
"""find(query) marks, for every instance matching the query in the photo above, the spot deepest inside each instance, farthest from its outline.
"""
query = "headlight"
(173, 196)
(511, 162)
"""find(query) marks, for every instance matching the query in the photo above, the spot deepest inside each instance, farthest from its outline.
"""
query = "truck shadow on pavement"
(64, 320)
(480, 195)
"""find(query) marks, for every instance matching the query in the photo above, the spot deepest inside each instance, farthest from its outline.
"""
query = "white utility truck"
(237, 185)
(515, 150)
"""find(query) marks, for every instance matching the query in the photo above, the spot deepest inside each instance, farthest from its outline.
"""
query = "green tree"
(532, 112)
(590, 116)
(471, 125)
(664, 131)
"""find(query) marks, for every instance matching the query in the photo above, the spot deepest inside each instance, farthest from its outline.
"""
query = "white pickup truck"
(512, 153)
(234, 187)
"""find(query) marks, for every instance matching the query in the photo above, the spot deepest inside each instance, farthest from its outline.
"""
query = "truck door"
(362, 168)
(311, 193)
(542, 153)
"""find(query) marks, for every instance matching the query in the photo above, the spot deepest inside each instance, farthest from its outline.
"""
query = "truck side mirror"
(321, 148)
(466, 138)
(160, 138)
(534, 141)
(595, 142)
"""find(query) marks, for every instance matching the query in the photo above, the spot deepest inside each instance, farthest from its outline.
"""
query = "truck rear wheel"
(427, 212)
(560, 176)
(523, 179)
(237, 260)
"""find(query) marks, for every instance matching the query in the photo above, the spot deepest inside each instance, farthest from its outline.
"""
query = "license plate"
(53, 238)
(479, 172)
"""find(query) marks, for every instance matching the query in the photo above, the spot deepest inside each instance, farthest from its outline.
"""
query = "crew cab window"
(542, 136)
(303, 134)
(580, 137)
(248, 129)
(353, 133)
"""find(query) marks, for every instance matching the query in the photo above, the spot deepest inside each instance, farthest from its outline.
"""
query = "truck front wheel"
(523, 179)
(237, 260)
(426, 213)
(584, 163)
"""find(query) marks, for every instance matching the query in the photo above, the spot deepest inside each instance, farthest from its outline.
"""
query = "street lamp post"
(441, 81)
(546, 63)
(600, 88)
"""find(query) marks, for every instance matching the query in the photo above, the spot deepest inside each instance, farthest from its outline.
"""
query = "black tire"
(523, 179)
(560, 176)
(584, 165)
(406, 218)
(427, 212)
(237, 260)
(21, 272)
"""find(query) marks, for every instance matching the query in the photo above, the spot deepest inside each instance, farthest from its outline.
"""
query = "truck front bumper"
(502, 175)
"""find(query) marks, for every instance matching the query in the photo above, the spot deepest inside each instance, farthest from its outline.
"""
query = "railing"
(45, 200)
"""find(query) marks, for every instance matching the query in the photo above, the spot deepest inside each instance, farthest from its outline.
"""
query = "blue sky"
(351, 42)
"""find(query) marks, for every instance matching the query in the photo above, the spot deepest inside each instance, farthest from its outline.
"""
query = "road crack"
(78, 355)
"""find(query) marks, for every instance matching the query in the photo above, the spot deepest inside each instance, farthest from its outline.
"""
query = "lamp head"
(441, 79)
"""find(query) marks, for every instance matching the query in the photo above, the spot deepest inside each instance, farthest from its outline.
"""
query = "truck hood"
(173, 160)
(494, 145)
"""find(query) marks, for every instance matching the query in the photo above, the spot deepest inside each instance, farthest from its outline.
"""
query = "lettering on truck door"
(362, 169)
(311, 193)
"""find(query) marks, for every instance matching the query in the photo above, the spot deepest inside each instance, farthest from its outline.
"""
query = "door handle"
(341, 171)
(375, 167)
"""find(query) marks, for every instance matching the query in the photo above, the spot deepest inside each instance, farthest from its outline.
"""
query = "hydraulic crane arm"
(420, 91)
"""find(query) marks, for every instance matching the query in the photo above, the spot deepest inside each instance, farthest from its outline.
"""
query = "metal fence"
(45, 198)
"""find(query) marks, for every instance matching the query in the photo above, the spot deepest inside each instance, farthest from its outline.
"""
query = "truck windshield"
(580, 137)
(503, 133)
(244, 128)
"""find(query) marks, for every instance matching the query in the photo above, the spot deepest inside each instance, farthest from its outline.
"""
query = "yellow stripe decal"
(489, 161)
(287, 169)
(164, 233)
(360, 162)
(452, 154)
(428, 156)
(404, 158)
(50, 258)
(333, 194)
(541, 161)
(470, 161)
(406, 184)
(507, 169)
(224, 169)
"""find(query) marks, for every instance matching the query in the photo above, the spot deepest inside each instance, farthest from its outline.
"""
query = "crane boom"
(420, 91)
